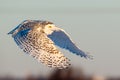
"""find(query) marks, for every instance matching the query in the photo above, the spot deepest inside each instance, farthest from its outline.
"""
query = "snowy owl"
(39, 39)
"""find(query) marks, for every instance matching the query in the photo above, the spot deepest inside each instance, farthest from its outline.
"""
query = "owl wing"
(22, 26)
(41, 47)
(61, 39)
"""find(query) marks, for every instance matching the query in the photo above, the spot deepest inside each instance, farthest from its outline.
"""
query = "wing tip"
(88, 56)
(11, 32)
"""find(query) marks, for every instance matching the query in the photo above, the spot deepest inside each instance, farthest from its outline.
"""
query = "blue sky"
(93, 25)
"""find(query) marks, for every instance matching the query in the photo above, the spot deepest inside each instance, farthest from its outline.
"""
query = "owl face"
(49, 28)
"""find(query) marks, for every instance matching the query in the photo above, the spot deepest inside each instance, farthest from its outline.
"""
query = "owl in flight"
(40, 38)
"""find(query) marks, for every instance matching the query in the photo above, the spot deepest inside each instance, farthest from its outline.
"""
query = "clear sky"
(94, 25)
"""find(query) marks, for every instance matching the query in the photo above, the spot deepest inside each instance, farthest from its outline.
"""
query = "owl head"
(50, 28)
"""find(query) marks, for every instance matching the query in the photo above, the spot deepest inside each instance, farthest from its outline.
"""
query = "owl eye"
(49, 26)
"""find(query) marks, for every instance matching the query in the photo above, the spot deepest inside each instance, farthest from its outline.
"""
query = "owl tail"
(54, 60)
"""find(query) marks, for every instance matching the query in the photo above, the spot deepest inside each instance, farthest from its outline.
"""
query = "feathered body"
(38, 38)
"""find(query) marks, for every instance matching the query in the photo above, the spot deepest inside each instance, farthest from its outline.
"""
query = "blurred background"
(94, 25)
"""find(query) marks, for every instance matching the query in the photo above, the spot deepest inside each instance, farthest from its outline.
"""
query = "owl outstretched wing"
(26, 24)
(38, 45)
(61, 39)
